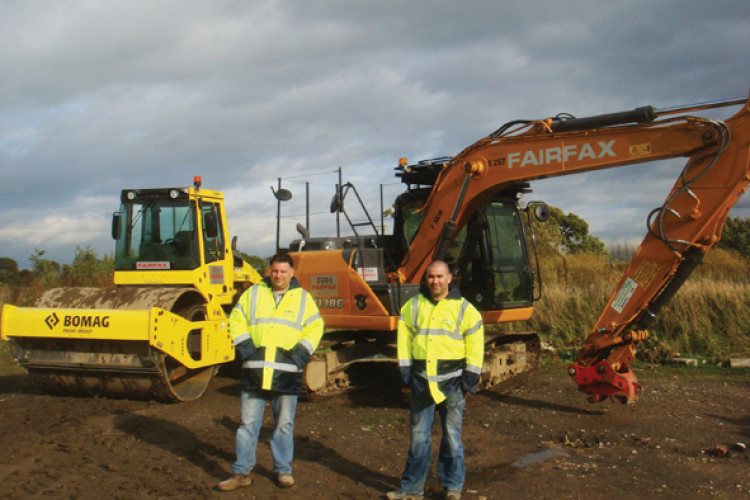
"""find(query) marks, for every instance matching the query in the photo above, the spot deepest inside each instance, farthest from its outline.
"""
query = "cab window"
(213, 233)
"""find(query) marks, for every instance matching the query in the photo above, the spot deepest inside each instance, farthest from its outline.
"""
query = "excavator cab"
(489, 256)
(492, 256)
(492, 266)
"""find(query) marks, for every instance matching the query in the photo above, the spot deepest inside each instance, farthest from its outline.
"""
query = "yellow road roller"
(162, 330)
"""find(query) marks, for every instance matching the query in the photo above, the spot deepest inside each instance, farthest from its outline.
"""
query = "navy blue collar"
(453, 293)
(293, 283)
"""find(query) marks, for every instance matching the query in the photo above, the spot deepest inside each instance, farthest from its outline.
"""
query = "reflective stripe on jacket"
(439, 341)
(276, 332)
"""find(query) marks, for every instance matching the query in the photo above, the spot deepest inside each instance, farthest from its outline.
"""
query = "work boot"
(285, 480)
(453, 495)
(234, 482)
(400, 495)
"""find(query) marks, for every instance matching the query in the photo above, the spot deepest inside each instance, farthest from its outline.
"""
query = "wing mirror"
(541, 211)
(116, 221)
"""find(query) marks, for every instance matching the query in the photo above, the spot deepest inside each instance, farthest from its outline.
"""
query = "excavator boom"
(681, 230)
(539, 151)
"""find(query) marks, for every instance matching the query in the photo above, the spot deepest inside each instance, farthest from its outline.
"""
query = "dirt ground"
(542, 440)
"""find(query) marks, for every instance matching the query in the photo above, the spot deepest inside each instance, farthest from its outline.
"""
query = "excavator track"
(509, 360)
(341, 368)
(115, 368)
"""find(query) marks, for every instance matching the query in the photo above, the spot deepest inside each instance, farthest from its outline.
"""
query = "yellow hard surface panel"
(75, 323)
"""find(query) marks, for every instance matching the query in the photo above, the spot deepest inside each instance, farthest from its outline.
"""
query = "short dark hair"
(438, 262)
(281, 257)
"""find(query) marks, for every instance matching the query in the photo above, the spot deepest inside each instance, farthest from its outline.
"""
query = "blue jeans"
(451, 468)
(252, 405)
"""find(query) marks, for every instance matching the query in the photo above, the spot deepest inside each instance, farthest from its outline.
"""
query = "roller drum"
(118, 368)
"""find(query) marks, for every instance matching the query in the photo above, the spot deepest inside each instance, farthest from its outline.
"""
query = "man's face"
(281, 274)
(438, 278)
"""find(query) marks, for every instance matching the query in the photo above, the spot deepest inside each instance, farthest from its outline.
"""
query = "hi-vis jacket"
(275, 342)
(440, 344)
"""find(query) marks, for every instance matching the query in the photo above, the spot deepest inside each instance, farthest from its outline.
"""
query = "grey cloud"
(102, 96)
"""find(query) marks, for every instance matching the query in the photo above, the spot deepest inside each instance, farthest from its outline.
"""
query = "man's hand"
(245, 349)
(470, 382)
(406, 375)
(300, 355)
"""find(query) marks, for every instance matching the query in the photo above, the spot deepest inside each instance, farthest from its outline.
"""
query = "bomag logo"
(52, 320)
(545, 156)
(86, 321)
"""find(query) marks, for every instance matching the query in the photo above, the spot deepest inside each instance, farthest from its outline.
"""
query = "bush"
(88, 270)
(721, 264)
(708, 317)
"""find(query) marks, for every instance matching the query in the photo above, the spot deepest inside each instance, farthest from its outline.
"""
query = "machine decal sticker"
(146, 265)
(217, 275)
(645, 273)
(623, 296)
(640, 149)
(361, 302)
(324, 285)
(561, 155)
(368, 273)
(335, 303)
(86, 321)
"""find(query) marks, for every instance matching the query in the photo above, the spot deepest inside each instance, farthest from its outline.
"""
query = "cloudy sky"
(97, 96)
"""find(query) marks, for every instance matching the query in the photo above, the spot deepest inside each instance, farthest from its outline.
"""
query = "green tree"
(8, 271)
(257, 263)
(736, 235)
(566, 234)
(87, 269)
(25, 277)
(45, 270)
(575, 235)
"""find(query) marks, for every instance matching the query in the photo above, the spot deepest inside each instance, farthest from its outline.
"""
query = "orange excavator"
(467, 211)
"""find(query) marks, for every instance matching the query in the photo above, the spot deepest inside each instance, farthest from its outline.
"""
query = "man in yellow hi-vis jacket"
(440, 353)
(275, 327)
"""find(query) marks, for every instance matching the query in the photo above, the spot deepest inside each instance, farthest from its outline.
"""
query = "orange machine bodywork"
(330, 278)
(690, 221)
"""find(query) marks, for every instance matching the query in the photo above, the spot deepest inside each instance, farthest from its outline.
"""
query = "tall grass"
(708, 317)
